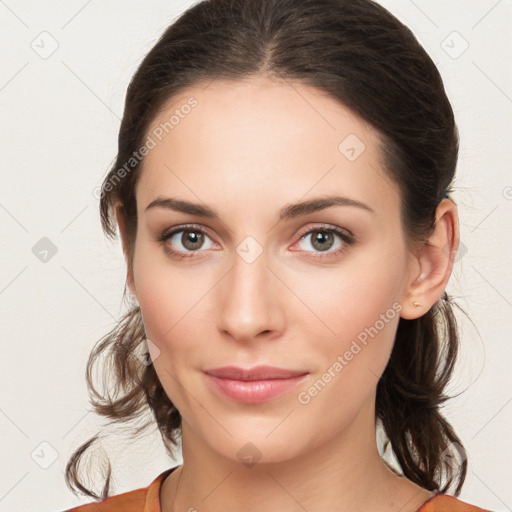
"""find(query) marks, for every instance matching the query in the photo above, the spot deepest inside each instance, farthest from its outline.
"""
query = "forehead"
(262, 140)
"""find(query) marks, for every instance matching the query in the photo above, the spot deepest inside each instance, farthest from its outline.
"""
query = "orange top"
(147, 499)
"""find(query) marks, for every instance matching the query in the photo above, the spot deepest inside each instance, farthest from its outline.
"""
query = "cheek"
(160, 292)
(164, 290)
(354, 297)
(175, 306)
(354, 359)
(170, 323)
(360, 306)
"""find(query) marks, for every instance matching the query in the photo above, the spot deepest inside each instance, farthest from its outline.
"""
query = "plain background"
(60, 116)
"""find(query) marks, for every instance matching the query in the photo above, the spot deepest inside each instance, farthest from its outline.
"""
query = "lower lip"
(253, 391)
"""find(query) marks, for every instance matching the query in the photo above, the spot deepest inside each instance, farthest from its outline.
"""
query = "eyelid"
(328, 227)
(183, 227)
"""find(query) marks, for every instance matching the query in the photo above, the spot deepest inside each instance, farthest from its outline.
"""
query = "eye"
(322, 239)
(185, 241)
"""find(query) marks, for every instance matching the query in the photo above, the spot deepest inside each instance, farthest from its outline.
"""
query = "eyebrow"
(287, 212)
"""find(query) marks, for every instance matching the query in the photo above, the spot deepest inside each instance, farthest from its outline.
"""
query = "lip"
(261, 372)
(254, 385)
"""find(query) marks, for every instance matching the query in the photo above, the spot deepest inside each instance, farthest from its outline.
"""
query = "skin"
(248, 149)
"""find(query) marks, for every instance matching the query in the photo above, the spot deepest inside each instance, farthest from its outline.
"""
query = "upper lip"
(261, 372)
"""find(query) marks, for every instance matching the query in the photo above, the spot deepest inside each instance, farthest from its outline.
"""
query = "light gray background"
(60, 116)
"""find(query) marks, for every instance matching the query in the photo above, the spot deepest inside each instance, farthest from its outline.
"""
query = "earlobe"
(435, 260)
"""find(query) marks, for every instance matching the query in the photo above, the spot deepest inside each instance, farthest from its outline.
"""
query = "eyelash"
(346, 237)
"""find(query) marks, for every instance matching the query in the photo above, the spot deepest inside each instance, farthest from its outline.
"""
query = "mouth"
(255, 385)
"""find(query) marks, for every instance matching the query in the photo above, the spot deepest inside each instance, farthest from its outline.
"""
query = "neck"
(343, 473)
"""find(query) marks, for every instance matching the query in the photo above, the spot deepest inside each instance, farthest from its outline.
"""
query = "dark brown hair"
(360, 55)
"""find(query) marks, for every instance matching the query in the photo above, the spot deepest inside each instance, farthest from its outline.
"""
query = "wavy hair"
(359, 54)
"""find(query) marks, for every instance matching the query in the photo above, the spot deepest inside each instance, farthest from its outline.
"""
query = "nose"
(249, 304)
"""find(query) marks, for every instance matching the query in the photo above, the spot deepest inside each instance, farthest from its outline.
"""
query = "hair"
(359, 54)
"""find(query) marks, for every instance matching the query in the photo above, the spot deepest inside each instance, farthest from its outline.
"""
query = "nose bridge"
(248, 299)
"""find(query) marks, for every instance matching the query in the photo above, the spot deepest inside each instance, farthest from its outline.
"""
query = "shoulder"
(446, 503)
(131, 501)
(145, 499)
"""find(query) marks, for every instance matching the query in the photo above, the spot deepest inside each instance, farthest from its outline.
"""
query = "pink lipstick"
(254, 385)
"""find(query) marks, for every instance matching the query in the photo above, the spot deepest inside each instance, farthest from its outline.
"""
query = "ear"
(121, 222)
(432, 263)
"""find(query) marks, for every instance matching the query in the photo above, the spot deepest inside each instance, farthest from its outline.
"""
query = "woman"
(282, 194)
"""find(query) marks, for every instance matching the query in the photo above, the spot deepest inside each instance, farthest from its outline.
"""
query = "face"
(261, 282)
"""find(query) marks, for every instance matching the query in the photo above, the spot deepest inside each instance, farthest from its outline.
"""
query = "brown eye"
(184, 241)
(323, 239)
(192, 240)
